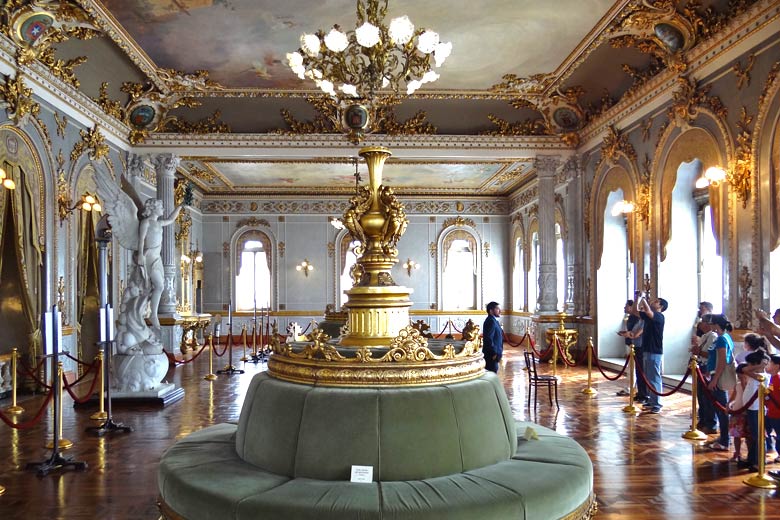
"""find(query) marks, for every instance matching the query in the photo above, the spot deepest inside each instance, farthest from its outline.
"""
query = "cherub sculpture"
(138, 227)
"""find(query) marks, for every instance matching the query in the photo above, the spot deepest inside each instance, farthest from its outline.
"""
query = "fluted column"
(165, 167)
(575, 243)
(546, 166)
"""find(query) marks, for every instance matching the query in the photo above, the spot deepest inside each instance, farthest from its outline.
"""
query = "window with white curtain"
(253, 282)
(459, 277)
(345, 280)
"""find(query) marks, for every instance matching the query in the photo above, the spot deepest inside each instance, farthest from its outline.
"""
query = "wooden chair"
(535, 380)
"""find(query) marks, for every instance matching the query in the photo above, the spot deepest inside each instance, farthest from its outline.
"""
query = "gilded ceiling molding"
(110, 108)
(774, 73)
(458, 222)
(528, 127)
(61, 123)
(17, 100)
(739, 175)
(253, 222)
(641, 77)
(331, 116)
(743, 73)
(91, 140)
(148, 107)
(688, 98)
(35, 26)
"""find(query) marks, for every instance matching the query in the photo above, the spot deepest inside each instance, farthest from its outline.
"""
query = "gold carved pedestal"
(191, 324)
(567, 338)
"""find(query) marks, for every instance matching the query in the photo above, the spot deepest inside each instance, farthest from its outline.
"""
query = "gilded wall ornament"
(331, 249)
(458, 222)
(771, 77)
(109, 107)
(253, 222)
(745, 303)
(614, 144)
(207, 125)
(91, 140)
(61, 305)
(689, 98)
(433, 249)
(17, 100)
(225, 250)
(520, 128)
(280, 246)
(646, 126)
(486, 248)
(61, 122)
(740, 174)
(185, 223)
(743, 73)
(202, 174)
(641, 76)
(44, 131)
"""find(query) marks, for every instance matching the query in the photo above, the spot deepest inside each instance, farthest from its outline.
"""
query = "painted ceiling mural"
(242, 43)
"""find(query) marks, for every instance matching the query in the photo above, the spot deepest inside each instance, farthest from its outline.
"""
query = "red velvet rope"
(29, 424)
(562, 354)
(77, 360)
(86, 372)
(181, 361)
(516, 345)
(26, 371)
(456, 328)
(714, 401)
(440, 334)
(228, 341)
(608, 378)
(673, 390)
(82, 400)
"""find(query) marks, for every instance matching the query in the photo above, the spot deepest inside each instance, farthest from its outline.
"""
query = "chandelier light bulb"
(86, 206)
(326, 86)
(336, 40)
(441, 52)
(401, 30)
(310, 43)
(429, 77)
(367, 35)
(349, 90)
(427, 41)
(715, 174)
(9, 184)
(702, 182)
(2, 174)
(89, 199)
(97, 207)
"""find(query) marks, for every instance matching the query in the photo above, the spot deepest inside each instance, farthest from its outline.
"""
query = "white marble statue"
(138, 227)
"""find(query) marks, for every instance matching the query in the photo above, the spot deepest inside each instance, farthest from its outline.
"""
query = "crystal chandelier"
(374, 56)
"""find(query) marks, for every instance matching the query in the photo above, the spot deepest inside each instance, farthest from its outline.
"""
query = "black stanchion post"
(52, 333)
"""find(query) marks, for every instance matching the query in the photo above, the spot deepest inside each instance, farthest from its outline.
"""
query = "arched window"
(518, 277)
(533, 269)
(560, 266)
(460, 270)
(348, 260)
(253, 272)
(710, 263)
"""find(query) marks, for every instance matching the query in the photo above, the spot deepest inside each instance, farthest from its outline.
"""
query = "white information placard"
(362, 474)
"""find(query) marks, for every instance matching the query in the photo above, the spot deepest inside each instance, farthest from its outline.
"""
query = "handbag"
(728, 378)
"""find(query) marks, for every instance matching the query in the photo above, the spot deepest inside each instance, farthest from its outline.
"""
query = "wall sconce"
(8, 182)
(195, 255)
(336, 223)
(713, 176)
(622, 207)
(87, 202)
(305, 266)
(410, 265)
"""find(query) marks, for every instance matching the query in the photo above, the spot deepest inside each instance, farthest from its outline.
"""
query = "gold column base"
(210, 377)
(590, 391)
(64, 444)
(376, 315)
(14, 410)
(694, 435)
(99, 416)
(762, 481)
(630, 408)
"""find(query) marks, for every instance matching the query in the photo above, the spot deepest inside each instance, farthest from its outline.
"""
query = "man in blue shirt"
(652, 347)
(492, 337)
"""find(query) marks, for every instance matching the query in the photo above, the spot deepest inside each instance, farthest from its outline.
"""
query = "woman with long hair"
(721, 354)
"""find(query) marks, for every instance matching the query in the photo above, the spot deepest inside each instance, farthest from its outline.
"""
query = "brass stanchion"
(14, 409)
(63, 443)
(589, 390)
(211, 376)
(630, 408)
(244, 358)
(101, 414)
(761, 479)
(554, 359)
(254, 340)
(694, 434)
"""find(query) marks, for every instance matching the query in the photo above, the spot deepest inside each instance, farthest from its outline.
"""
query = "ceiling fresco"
(283, 176)
(242, 43)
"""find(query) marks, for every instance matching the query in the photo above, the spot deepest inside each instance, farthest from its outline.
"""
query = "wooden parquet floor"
(643, 468)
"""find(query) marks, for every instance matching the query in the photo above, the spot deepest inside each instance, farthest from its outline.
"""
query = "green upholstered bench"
(448, 451)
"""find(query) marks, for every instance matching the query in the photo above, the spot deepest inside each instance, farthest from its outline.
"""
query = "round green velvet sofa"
(448, 451)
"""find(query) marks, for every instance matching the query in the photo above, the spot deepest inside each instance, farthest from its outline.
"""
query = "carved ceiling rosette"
(657, 29)
(34, 26)
(17, 100)
(148, 108)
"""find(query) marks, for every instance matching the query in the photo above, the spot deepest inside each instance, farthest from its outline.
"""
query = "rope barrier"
(715, 402)
(520, 344)
(77, 360)
(559, 346)
(82, 376)
(81, 400)
(181, 361)
(227, 344)
(620, 374)
(662, 394)
(456, 328)
(26, 371)
(440, 334)
(34, 420)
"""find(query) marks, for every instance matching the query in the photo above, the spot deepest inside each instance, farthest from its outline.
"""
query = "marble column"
(575, 243)
(165, 167)
(546, 167)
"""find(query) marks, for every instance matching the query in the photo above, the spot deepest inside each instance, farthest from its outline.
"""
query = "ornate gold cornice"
(614, 144)
(457, 222)
(91, 140)
(110, 108)
(17, 100)
(688, 98)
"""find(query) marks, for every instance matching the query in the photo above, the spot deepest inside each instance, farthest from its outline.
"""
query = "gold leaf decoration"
(93, 141)
(17, 100)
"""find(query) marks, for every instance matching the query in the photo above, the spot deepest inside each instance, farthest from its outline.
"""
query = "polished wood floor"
(643, 468)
